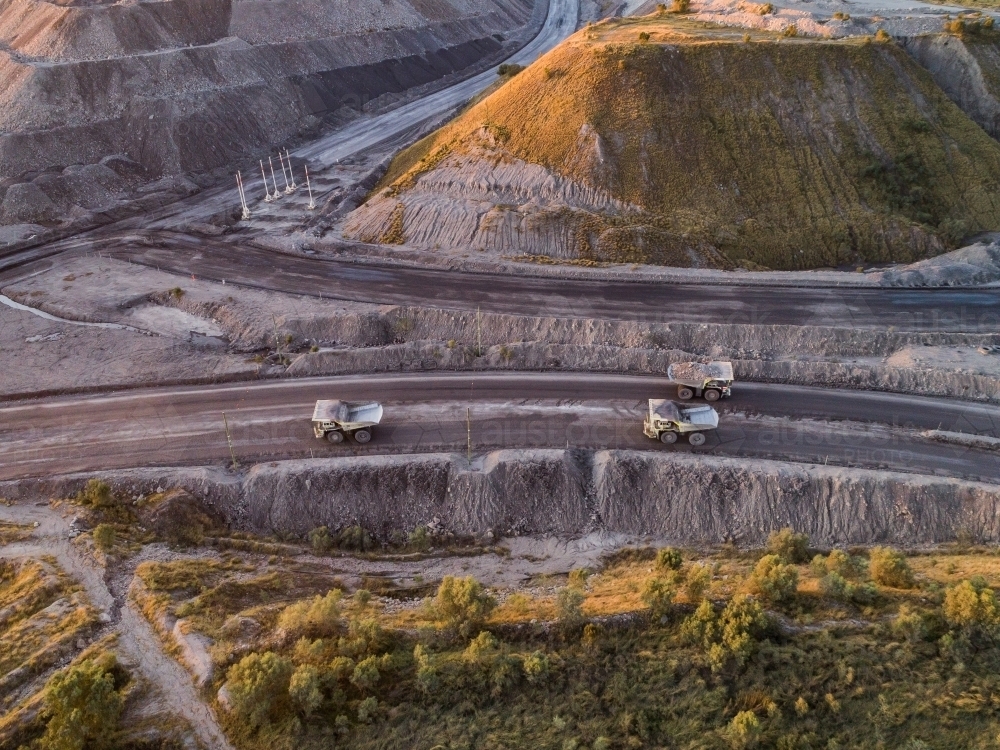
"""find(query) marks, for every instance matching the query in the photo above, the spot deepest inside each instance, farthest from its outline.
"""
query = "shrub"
(536, 667)
(909, 625)
(680, 6)
(304, 689)
(508, 70)
(791, 30)
(972, 607)
(96, 494)
(668, 559)
(578, 578)
(104, 536)
(765, 9)
(320, 539)
(728, 637)
(83, 708)
(697, 579)
(569, 608)
(658, 595)
(888, 567)
(789, 546)
(838, 562)
(840, 16)
(462, 604)
(176, 293)
(882, 36)
(743, 731)
(355, 538)
(643, 36)
(258, 687)
(315, 617)
(772, 580)
(368, 710)
(837, 587)
(427, 675)
(366, 675)
(420, 538)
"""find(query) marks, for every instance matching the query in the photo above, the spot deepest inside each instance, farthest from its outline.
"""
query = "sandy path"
(137, 641)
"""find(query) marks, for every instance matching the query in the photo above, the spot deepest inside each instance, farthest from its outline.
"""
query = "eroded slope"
(666, 141)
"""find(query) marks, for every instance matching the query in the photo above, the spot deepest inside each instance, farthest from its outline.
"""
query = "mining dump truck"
(666, 421)
(334, 420)
(710, 381)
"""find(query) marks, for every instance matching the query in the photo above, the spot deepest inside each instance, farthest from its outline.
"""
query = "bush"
(791, 30)
(83, 708)
(317, 617)
(304, 689)
(96, 494)
(789, 546)
(578, 578)
(355, 538)
(420, 538)
(909, 625)
(838, 562)
(569, 608)
(104, 536)
(668, 559)
(508, 70)
(366, 675)
(882, 36)
(697, 579)
(972, 607)
(258, 687)
(320, 539)
(728, 637)
(743, 731)
(643, 36)
(772, 580)
(658, 595)
(536, 667)
(462, 604)
(680, 6)
(837, 587)
(888, 567)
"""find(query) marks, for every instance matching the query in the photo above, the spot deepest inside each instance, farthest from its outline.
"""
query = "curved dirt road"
(435, 412)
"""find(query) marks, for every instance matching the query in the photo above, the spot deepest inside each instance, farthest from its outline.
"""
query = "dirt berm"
(666, 141)
(693, 499)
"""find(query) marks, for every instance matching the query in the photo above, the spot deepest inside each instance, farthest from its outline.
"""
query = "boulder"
(25, 203)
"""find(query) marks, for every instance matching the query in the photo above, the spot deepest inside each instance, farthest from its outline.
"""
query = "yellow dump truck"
(335, 420)
(667, 421)
(710, 381)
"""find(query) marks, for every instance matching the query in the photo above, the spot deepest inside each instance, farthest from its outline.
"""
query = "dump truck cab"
(711, 381)
(666, 421)
(335, 420)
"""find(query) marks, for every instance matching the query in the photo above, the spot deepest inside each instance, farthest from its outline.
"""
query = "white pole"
(284, 174)
(243, 196)
(291, 174)
(273, 178)
(312, 203)
(267, 190)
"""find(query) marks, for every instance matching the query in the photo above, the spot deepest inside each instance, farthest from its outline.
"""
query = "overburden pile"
(664, 141)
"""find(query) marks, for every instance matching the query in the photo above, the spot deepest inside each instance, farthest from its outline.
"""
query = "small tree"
(258, 687)
(462, 604)
(304, 689)
(697, 579)
(658, 595)
(83, 708)
(104, 536)
(320, 539)
(888, 567)
(789, 546)
(366, 675)
(668, 559)
(772, 580)
(569, 607)
(972, 607)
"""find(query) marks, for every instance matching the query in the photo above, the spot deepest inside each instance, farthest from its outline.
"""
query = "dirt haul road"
(270, 420)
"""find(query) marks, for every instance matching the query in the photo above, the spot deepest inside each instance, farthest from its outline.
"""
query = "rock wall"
(681, 497)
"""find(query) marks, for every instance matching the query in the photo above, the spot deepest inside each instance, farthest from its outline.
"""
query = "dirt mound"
(179, 517)
(189, 85)
(657, 140)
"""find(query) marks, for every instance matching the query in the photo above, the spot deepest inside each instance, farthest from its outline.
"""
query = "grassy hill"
(708, 146)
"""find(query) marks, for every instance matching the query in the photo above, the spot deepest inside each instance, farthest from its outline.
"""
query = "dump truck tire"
(684, 393)
(712, 395)
(696, 438)
(335, 436)
(362, 436)
(668, 437)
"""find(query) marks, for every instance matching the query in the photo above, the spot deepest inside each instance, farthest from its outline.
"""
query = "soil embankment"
(668, 495)
(659, 141)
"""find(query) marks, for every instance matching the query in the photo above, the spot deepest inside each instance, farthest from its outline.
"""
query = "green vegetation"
(509, 70)
(83, 707)
(718, 142)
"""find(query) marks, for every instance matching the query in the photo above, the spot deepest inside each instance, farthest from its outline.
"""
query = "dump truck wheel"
(712, 395)
(335, 436)
(362, 436)
(696, 438)
(684, 393)
(668, 437)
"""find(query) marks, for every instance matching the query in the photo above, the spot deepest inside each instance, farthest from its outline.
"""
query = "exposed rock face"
(968, 70)
(698, 149)
(192, 84)
(683, 497)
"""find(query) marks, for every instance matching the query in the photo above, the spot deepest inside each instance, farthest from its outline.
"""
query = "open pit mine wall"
(667, 495)
(178, 96)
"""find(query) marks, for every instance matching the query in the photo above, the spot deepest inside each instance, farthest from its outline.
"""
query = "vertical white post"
(267, 190)
(284, 174)
(312, 203)
(288, 158)
(273, 179)
(243, 196)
